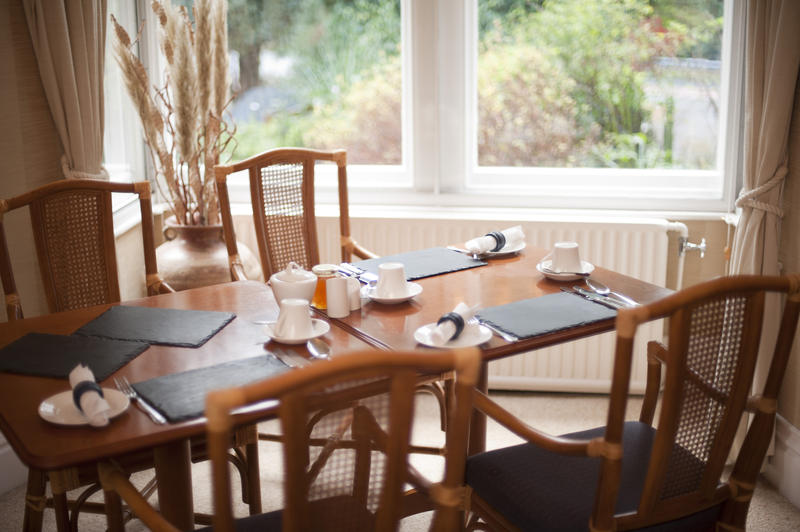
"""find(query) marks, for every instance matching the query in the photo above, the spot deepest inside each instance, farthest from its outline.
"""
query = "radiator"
(633, 247)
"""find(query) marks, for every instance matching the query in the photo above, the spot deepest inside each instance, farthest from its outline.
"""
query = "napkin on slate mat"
(164, 326)
(425, 262)
(181, 396)
(541, 315)
(54, 355)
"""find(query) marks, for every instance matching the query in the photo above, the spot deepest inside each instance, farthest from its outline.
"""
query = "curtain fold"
(771, 75)
(69, 41)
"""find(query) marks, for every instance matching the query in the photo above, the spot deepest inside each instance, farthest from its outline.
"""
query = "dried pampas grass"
(183, 121)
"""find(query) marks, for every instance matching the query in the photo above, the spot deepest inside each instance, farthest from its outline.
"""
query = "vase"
(196, 255)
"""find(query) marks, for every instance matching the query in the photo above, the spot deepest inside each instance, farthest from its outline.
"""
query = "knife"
(578, 291)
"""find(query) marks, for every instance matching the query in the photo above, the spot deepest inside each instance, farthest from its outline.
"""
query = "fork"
(125, 387)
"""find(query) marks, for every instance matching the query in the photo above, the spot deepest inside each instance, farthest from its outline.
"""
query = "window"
(615, 104)
(123, 147)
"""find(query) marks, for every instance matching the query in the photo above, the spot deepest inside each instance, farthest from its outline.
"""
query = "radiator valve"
(684, 245)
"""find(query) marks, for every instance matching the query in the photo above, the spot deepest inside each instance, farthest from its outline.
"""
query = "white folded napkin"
(443, 332)
(514, 237)
(94, 407)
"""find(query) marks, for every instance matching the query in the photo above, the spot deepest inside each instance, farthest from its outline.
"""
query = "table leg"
(35, 501)
(174, 478)
(477, 430)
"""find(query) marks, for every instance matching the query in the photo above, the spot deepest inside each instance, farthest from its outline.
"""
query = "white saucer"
(513, 250)
(318, 328)
(61, 410)
(414, 289)
(586, 267)
(469, 337)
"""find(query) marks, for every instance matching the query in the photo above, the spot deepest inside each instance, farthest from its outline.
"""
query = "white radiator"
(635, 247)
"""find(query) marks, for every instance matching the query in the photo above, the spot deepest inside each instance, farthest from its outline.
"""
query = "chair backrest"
(346, 433)
(710, 360)
(282, 197)
(74, 234)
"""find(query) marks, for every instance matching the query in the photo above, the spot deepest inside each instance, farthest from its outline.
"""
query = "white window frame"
(439, 119)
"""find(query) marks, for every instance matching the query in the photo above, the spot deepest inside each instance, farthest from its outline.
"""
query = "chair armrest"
(554, 444)
(114, 480)
(362, 252)
(237, 272)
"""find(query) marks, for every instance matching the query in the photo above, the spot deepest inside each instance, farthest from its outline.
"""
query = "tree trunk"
(248, 68)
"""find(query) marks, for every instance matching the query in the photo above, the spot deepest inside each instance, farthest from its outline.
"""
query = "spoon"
(319, 349)
(599, 288)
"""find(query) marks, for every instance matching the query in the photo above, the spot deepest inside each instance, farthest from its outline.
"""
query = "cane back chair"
(73, 232)
(347, 426)
(73, 229)
(282, 197)
(630, 475)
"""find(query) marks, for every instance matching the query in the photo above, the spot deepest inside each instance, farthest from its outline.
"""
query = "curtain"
(771, 73)
(69, 41)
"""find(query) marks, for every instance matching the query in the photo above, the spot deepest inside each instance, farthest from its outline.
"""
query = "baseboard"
(783, 469)
(14, 473)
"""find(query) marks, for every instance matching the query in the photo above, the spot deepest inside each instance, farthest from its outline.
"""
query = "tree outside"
(566, 83)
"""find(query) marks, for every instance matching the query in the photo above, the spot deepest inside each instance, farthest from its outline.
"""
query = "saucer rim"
(414, 289)
(323, 325)
(586, 266)
(118, 401)
(482, 332)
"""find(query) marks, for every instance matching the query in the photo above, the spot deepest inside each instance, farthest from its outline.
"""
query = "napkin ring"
(458, 321)
(83, 387)
(500, 238)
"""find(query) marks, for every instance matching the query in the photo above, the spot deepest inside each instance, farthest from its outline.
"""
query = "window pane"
(599, 83)
(123, 144)
(318, 73)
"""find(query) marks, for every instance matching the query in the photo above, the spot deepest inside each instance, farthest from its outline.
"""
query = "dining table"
(50, 447)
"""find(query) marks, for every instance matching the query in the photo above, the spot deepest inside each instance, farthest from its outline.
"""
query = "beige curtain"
(771, 70)
(69, 41)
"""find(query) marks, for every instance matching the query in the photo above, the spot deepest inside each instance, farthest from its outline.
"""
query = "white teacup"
(294, 320)
(391, 280)
(566, 257)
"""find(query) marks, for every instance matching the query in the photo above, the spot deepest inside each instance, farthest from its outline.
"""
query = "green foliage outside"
(561, 83)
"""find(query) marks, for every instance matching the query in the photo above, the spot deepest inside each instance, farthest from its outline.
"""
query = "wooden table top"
(46, 446)
(504, 280)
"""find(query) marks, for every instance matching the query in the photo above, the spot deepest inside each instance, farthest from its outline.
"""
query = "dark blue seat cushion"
(539, 490)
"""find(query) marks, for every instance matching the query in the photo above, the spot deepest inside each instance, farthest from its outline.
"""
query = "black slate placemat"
(541, 315)
(53, 355)
(164, 326)
(425, 262)
(181, 396)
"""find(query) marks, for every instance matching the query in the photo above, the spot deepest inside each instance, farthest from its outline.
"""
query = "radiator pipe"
(683, 236)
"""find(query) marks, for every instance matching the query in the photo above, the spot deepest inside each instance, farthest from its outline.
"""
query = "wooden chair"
(282, 197)
(347, 426)
(73, 229)
(630, 475)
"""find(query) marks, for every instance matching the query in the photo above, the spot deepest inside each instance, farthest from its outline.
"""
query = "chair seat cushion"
(334, 513)
(539, 490)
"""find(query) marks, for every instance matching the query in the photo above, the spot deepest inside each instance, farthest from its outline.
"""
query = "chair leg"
(61, 509)
(35, 501)
(113, 512)
(253, 478)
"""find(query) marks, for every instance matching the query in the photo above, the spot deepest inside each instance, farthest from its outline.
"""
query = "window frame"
(439, 114)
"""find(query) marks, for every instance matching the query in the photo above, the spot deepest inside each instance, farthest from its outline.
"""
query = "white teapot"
(293, 283)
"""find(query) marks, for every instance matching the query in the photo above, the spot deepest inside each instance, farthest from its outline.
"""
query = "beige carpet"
(554, 413)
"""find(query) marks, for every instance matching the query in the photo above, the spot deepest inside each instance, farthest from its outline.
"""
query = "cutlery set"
(600, 293)
(365, 277)
(125, 387)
